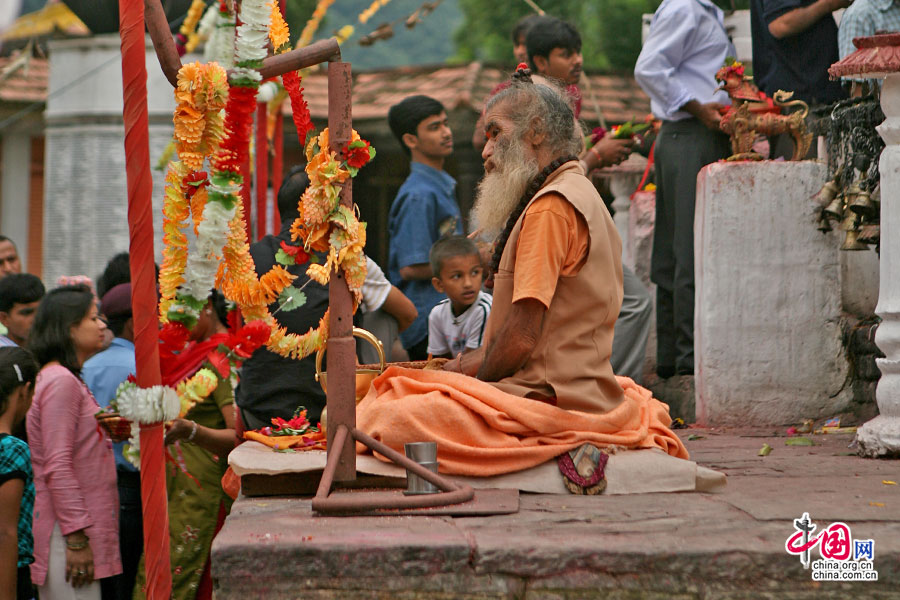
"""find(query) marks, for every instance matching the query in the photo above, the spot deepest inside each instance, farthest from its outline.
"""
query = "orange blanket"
(481, 431)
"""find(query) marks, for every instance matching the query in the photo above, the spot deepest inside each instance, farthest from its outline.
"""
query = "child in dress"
(17, 374)
(456, 325)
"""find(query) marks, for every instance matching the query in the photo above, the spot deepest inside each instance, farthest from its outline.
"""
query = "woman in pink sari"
(76, 545)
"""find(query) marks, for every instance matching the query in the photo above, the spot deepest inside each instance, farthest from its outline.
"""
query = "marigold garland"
(373, 8)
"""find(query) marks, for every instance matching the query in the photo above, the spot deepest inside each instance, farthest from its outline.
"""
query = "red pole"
(143, 298)
(277, 167)
(262, 169)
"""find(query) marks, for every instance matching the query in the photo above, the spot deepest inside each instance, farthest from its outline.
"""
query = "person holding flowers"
(199, 442)
(76, 507)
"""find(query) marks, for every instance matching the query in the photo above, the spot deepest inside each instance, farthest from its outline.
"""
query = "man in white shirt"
(686, 46)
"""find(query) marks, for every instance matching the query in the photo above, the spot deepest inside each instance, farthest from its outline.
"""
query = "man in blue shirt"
(103, 373)
(424, 210)
(686, 46)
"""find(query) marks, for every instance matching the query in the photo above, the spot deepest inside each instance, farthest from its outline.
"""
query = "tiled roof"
(26, 80)
(50, 20)
(618, 97)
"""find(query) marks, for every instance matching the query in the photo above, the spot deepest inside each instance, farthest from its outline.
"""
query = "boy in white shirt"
(456, 325)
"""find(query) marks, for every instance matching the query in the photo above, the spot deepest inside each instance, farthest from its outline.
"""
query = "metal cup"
(424, 453)
(421, 452)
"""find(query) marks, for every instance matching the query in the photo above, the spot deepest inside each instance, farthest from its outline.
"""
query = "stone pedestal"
(881, 435)
(85, 195)
(768, 301)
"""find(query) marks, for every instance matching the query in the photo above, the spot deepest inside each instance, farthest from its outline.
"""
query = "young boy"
(456, 325)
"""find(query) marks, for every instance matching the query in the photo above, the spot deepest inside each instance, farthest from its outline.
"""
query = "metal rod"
(273, 66)
(341, 395)
(340, 437)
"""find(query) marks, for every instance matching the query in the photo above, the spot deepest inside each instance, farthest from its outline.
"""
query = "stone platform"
(729, 545)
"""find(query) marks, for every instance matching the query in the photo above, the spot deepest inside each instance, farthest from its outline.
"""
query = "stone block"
(859, 282)
(768, 299)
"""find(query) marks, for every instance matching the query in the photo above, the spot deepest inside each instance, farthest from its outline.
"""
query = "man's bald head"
(9, 257)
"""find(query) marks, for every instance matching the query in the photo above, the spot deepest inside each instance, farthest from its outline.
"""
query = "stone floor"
(729, 545)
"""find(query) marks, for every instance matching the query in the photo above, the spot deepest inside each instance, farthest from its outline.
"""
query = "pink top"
(74, 472)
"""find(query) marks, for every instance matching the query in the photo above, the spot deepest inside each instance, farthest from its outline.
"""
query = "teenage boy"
(424, 211)
(20, 294)
(456, 324)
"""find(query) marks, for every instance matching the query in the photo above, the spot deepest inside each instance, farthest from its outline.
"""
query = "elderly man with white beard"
(557, 276)
(541, 387)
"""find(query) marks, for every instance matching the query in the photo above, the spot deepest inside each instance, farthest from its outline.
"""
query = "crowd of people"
(532, 297)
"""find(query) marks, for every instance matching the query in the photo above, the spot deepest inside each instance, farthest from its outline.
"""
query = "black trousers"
(682, 149)
(131, 537)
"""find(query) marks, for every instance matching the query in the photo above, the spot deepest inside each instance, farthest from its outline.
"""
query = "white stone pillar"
(881, 435)
(14, 193)
(767, 335)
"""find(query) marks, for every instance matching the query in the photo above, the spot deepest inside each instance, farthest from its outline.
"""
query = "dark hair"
(3, 238)
(117, 324)
(292, 187)
(117, 271)
(449, 247)
(11, 377)
(548, 33)
(50, 338)
(19, 288)
(220, 305)
(405, 116)
(523, 25)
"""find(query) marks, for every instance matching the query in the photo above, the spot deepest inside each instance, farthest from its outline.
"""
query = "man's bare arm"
(800, 19)
(400, 307)
(416, 272)
(515, 341)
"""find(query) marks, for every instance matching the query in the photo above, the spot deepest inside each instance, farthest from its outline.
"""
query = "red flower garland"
(239, 127)
(357, 153)
(299, 108)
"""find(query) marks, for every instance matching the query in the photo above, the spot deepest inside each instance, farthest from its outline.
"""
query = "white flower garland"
(156, 404)
(202, 265)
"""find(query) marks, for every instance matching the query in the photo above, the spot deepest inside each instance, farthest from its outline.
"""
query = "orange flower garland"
(176, 209)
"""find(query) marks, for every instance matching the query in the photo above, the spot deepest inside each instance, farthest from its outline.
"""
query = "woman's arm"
(61, 397)
(218, 441)
(10, 499)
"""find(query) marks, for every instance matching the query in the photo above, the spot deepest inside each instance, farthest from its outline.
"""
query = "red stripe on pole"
(277, 167)
(143, 300)
(245, 196)
(262, 169)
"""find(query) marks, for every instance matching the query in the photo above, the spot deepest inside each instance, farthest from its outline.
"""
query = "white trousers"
(55, 585)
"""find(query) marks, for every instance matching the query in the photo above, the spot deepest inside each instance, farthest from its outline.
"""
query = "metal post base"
(360, 502)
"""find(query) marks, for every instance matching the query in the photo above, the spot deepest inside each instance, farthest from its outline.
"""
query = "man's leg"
(700, 146)
(131, 531)
(662, 260)
(629, 348)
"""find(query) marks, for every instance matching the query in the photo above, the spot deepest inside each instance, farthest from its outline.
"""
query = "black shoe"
(685, 370)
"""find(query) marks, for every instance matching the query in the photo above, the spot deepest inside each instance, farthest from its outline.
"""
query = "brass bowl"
(364, 377)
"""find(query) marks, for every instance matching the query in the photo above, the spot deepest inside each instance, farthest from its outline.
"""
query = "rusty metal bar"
(341, 395)
(340, 438)
(164, 44)
(453, 492)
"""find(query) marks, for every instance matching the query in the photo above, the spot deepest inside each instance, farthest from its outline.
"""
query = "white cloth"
(55, 585)
(375, 288)
(686, 46)
(451, 335)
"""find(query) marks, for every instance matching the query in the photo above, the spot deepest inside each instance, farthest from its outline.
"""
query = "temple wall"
(768, 297)
(85, 194)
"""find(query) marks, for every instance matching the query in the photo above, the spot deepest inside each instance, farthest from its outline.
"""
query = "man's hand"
(708, 113)
(607, 152)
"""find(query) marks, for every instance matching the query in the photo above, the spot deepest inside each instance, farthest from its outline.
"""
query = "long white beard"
(500, 190)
